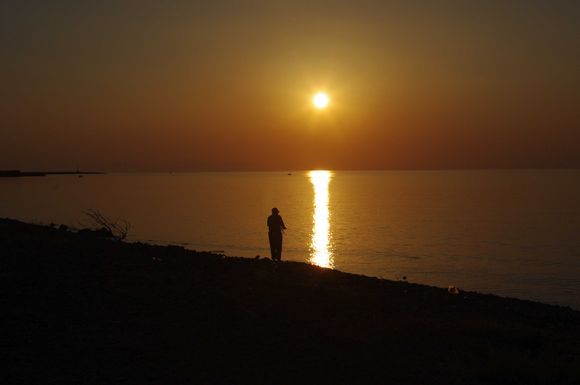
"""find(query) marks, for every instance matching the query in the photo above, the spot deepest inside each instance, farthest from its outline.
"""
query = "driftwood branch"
(118, 228)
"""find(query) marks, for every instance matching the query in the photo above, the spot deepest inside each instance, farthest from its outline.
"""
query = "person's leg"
(280, 248)
(274, 245)
(273, 251)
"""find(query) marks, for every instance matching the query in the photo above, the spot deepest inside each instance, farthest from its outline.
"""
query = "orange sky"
(146, 86)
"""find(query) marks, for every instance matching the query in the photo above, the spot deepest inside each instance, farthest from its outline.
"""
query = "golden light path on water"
(321, 253)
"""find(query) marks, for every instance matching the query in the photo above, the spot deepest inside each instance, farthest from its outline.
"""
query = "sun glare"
(320, 100)
(320, 247)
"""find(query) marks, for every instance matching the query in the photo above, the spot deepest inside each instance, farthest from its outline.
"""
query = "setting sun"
(320, 100)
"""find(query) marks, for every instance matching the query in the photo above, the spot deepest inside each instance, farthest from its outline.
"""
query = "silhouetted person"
(275, 227)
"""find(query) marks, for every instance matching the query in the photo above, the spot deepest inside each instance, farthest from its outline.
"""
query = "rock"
(98, 233)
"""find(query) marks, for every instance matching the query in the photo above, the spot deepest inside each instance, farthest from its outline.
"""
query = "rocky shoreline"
(89, 310)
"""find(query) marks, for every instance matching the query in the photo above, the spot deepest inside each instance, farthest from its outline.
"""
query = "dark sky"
(226, 85)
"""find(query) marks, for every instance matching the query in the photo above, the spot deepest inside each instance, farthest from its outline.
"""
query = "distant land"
(18, 173)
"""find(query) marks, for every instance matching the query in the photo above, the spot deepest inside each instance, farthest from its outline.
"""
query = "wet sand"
(79, 309)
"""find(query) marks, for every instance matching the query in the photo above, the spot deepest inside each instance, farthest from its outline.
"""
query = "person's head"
(275, 211)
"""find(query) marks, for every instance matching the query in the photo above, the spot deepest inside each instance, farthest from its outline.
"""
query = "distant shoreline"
(20, 174)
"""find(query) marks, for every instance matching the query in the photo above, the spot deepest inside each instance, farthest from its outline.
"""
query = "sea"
(513, 233)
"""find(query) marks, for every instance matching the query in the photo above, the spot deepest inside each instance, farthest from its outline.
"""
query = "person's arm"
(282, 223)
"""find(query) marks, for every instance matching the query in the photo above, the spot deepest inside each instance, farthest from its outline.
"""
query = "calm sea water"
(512, 233)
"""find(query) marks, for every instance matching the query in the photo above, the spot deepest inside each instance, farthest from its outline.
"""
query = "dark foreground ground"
(89, 311)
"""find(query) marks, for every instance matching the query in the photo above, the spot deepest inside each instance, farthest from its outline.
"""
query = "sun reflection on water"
(320, 252)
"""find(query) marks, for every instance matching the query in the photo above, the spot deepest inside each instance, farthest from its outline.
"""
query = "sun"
(320, 100)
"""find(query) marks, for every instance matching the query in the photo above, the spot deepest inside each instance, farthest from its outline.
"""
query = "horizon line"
(80, 171)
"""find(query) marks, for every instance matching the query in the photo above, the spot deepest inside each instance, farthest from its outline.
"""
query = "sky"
(227, 85)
